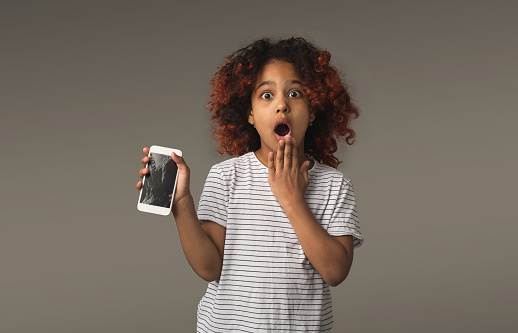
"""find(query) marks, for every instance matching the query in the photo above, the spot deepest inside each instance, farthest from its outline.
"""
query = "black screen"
(159, 182)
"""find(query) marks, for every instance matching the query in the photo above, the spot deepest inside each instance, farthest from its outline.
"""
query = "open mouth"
(282, 129)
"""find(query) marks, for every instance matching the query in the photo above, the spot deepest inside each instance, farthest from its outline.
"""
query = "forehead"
(278, 71)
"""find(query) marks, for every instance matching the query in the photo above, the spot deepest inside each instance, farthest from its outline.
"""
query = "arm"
(331, 256)
(202, 246)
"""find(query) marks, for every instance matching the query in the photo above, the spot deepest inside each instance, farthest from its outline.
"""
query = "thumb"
(271, 163)
(180, 162)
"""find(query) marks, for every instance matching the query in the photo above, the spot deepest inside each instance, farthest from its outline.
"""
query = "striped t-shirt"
(267, 283)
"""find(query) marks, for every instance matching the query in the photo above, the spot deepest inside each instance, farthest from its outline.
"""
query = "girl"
(277, 225)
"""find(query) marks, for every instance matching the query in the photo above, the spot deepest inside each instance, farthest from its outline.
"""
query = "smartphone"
(159, 184)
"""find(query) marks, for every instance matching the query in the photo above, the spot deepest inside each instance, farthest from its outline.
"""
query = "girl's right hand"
(182, 185)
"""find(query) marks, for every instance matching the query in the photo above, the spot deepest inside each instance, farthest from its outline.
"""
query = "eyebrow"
(271, 83)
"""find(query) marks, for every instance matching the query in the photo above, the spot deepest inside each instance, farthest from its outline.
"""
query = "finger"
(145, 160)
(142, 172)
(304, 171)
(279, 161)
(139, 185)
(287, 153)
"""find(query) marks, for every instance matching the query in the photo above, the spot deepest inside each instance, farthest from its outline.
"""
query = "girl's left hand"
(287, 181)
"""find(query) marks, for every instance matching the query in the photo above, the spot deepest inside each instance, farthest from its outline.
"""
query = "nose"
(283, 106)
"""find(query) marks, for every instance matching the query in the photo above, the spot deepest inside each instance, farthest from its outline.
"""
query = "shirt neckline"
(256, 160)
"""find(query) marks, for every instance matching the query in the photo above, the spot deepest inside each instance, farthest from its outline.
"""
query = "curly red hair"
(231, 90)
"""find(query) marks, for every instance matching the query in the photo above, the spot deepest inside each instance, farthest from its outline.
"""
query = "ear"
(251, 120)
(312, 116)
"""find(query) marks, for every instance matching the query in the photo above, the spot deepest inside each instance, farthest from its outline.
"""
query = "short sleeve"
(214, 198)
(344, 219)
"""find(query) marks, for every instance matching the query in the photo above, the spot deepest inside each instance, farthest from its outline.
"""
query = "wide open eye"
(266, 95)
(295, 93)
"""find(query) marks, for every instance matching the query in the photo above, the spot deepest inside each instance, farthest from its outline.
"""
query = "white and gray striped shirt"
(267, 283)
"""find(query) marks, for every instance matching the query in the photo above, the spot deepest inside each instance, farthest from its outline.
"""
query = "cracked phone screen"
(159, 183)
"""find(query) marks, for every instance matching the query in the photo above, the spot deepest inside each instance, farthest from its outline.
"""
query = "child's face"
(277, 98)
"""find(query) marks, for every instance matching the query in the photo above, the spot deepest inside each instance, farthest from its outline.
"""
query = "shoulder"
(325, 174)
(228, 168)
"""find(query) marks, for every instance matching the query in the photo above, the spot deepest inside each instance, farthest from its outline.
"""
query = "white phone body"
(159, 184)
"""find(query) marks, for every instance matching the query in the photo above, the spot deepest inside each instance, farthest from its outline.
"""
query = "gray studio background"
(86, 84)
